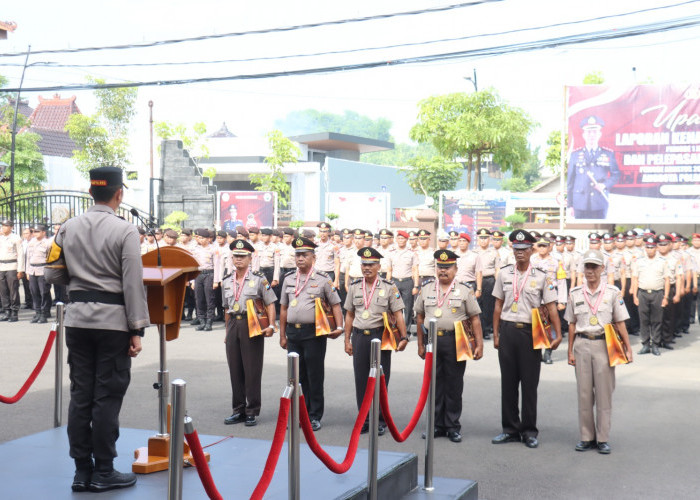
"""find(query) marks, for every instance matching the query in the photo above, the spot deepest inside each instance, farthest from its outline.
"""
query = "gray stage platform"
(38, 466)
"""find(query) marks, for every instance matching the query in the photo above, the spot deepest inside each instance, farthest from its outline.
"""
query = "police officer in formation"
(11, 271)
(489, 264)
(298, 332)
(449, 301)
(37, 252)
(97, 256)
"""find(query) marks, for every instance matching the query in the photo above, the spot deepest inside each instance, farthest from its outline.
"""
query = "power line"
(362, 49)
(603, 35)
(281, 29)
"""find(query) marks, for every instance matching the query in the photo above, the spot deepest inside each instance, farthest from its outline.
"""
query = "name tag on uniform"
(507, 282)
(578, 303)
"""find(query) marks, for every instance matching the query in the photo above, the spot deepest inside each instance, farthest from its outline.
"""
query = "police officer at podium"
(448, 301)
(300, 289)
(98, 256)
(520, 288)
(368, 298)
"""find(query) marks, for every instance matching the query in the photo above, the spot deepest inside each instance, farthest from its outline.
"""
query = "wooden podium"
(165, 291)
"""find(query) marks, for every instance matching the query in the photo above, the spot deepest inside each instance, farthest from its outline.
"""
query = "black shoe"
(201, 325)
(207, 326)
(250, 421)
(655, 350)
(27, 306)
(316, 425)
(437, 433)
(547, 357)
(666, 345)
(5, 317)
(636, 334)
(13, 317)
(454, 436)
(365, 428)
(645, 350)
(604, 448)
(81, 480)
(506, 438)
(381, 430)
(685, 330)
(194, 322)
(188, 317)
(670, 341)
(34, 319)
(486, 336)
(236, 418)
(42, 319)
(531, 442)
(677, 335)
(585, 445)
(103, 481)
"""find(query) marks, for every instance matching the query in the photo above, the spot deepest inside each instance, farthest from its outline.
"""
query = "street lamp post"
(473, 80)
(14, 134)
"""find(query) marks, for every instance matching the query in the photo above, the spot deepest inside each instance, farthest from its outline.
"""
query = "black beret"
(288, 230)
(221, 233)
(266, 231)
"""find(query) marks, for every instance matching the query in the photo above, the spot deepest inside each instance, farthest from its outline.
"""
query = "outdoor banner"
(466, 211)
(247, 209)
(634, 154)
(360, 210)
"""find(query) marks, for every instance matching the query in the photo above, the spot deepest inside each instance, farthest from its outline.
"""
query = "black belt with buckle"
(368, 331)
(445, 333)
(96, 296)
(518, 325)
(13, 261)
(206, 271)
(302, 327)
(591, 336)
(238, 316)
(652, 291)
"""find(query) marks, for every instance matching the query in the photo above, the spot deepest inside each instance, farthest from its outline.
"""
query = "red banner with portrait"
(634, 154)
(247, 209)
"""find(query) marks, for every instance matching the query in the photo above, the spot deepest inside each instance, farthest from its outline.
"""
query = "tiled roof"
(52, 114)
(222, 132)
(54, 143)
(24, 108)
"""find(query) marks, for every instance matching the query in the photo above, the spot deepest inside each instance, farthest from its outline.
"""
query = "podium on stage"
(166, 273)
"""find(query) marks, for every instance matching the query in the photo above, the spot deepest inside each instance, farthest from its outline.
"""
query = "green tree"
(310, 121)
(29, 162)
(174, 220)
(514, 221)
(593, 78)
(430, 176)
(402, 154)
(515, 185)
(470, 126)
(102, 138)
(283, 151)
(194, 140)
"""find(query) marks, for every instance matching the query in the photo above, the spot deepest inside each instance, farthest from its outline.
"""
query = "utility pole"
(473, 80)
(14, 134)
(150, 181)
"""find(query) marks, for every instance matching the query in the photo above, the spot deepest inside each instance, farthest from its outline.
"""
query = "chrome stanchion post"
(293, 447)
(430, 418)
(58, 383)
(373, 458)
(177, 438)
(162, 386)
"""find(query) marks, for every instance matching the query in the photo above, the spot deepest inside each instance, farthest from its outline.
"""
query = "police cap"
(445, 258)
(241, 247)
(521, 239)
(303, 244)
(369, 255)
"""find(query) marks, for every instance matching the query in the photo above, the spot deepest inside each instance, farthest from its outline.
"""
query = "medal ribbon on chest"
(517, 290)
(440, 302)
(239, 289)
(368, 300)
(298, 290)
(594, 308)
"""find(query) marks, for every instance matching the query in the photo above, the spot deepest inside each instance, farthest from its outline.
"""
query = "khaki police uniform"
(631, 255)
(327, 256)
(386, 298)
(11, 262)
(204, 283)
(404, 274)
(104, 277)
(426, 262)
(519, 362)
(468, 265)
(651, 275)
(300, 331)
(595, 378)
(459, 305)
(269, 261)
(489, 263)
(244, 354)
(37, 252)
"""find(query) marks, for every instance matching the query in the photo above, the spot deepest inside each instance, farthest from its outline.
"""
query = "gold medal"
(381, 293)
(533, 284)
(514, 307)
(236, 307)
(593, 321)
(454, 310)
(365, 314)
(251, 284)
(438, 312)
(293, 303)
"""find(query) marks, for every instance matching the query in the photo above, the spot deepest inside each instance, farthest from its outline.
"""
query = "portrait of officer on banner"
(591, 174)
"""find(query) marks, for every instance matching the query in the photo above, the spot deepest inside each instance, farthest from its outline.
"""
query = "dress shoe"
(103, 481)
(236, 418)
(666, 345)
(531, 442)
(365, 428)
(604, 448)
(27, 306)
(486, 336)
(506, 438)
(201, 326)
(454, 436)
(685, 330)
(437, 433)
(4, 316)
(381, 430)
(34, 319)
(194, 322)
(42, 319)
(585, 445)
(547, 357)
(677, 335)
(13, 317)
(81, 479)
(645, 349)
(655, 350)
(207, 326)
(250, 421)
(316, 425)
(670, 341)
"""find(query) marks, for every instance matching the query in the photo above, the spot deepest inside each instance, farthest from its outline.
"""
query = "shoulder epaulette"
(537, 269)
(612, 287)
(289, 273)
(226, 276)
(467, 284)
(259, 274)
(427, 280)
(388, 282)
(507, 265)
(323, 274)
(355, 281)
(576, 288)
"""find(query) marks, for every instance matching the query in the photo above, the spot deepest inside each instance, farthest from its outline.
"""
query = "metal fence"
(53, 207)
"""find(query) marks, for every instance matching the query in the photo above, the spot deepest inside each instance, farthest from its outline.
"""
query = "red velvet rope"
(32, 377)
(384, 402)
(200, 462)
(275, 450)
(333, 466)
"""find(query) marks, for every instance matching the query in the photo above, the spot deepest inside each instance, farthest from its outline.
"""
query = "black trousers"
(684, 313)
(520, 368)
(99, 377)
(342, 292)
(41, 295)
(361, 348)
(650, 316)
(562, 321)
(9, 290)
(449, 385)
(27, 292)
(218, 303)
(487, 303)
(405, 286)
(633, 322)
(204, 295)
(60, 294)
(312, 358)
(245, 366)
(669, 316)
(190, 303)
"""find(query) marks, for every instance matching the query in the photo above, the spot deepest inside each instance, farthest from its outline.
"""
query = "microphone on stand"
(135, 213)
